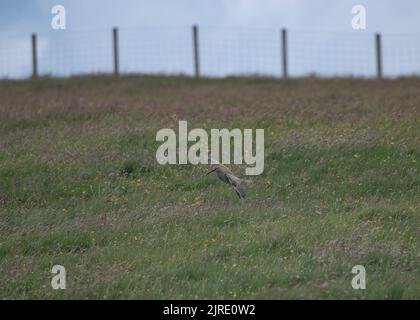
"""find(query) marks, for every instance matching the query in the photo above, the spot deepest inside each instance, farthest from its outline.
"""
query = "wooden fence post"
(115, 46)
(34, 57)
(196, 52)
(378, 55)
(284, 52)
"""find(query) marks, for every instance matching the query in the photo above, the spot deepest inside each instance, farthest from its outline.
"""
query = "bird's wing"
(236, 183)
(232, 178)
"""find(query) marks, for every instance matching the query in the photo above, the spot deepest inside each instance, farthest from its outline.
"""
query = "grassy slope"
(340, 188)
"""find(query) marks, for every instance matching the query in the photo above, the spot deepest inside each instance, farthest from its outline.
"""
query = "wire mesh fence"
(332, 55)
(213, 52)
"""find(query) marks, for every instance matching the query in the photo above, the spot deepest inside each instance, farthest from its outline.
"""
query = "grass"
(80, 187)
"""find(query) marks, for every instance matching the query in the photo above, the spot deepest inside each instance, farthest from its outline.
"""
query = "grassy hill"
(80, 187)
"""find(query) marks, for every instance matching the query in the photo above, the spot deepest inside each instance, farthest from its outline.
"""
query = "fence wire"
(222, 52)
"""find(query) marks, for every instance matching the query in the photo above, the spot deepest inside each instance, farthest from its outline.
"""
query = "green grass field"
(80, 187)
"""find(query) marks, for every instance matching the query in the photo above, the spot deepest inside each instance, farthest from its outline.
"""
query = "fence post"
(378, 55)
(284, 52)
(196, 52)
(34, 57)
(115, 45)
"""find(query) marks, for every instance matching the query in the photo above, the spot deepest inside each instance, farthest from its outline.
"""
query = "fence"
(212, 52)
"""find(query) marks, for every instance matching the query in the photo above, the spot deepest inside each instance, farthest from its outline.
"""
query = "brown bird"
(227, 176)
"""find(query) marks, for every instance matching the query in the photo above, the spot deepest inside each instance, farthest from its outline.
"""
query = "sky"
(235, 36)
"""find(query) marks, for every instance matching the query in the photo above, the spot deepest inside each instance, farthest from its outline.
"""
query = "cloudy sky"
(236, 36)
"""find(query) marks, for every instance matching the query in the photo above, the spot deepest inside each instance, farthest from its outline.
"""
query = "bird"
(227, 176)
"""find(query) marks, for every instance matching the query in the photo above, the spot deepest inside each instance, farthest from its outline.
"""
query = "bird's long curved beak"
(210, 171)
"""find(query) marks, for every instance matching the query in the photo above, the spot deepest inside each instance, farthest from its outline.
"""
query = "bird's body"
(228, 177)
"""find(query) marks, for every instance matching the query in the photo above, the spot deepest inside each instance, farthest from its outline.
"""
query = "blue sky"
(236, 36)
